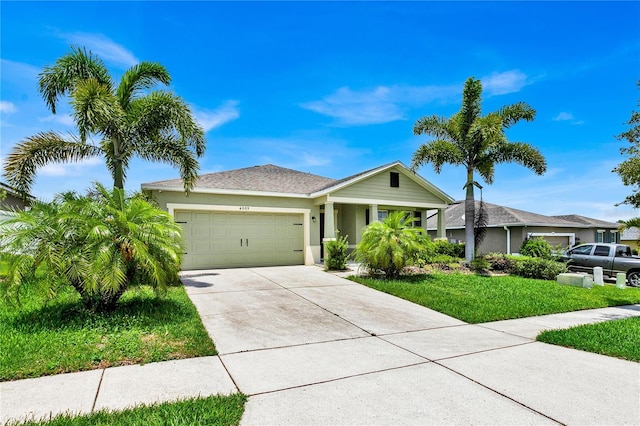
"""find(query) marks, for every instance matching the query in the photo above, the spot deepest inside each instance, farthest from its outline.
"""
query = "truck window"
(623, 252)
(584, 249)
(601, 251)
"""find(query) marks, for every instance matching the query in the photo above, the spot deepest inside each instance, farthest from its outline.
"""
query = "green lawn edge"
(617, 338)
(478, 299)
(216, 410)
(45, 337)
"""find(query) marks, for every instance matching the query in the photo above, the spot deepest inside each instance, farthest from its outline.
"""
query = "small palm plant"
(100, 244)
(390, 245)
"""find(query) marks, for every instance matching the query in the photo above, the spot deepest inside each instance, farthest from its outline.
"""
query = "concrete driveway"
(309, 347)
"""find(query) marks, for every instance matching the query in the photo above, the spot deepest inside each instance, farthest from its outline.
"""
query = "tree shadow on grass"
(134, 312)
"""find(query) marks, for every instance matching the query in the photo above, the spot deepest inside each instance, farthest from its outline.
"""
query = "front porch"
(350, 219)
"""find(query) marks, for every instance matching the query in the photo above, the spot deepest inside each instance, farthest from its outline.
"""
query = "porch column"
(373, 213)
(329, 223)
(442, 226)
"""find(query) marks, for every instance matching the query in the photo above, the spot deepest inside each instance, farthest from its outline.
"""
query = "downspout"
(508, 239)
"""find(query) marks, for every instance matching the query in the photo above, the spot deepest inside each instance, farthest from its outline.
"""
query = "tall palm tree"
(478, 143)
(129, 120)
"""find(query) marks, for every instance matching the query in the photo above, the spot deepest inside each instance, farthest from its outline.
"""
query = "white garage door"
(232, 239)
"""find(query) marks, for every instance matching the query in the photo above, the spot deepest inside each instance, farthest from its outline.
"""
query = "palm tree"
(389, 245)
(129, 120)
(476, 142)
(99, 244)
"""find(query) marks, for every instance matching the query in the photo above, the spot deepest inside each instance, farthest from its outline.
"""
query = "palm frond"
(471, 104)
(172, 151)
(95, 109)
(438, 153)
(164, 112)
(511, 114)
(39, 150)
(139, 77)
(521, 153)
(59, 79)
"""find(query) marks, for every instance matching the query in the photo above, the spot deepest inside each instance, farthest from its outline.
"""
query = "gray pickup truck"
(613, 258)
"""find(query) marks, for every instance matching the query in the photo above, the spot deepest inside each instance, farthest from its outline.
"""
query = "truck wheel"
(634, 278)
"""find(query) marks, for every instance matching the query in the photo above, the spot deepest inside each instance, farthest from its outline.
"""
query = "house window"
(382, 214)
(600, 236)
(615, 237)
(394, 179)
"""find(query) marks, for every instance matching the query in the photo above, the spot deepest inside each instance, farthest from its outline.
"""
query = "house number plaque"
(245, 208)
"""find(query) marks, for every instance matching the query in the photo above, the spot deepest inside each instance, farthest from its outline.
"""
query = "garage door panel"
(219, 239)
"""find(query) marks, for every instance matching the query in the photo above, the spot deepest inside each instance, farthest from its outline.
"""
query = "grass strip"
(43, 337)
(619, 338)
(214, 410)
(477, 299)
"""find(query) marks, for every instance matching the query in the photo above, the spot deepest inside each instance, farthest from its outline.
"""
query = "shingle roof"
(267, 178)
(591, 222)
(499, 216)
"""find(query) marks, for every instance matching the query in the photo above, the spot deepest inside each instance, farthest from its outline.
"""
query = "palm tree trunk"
(117, 176)
(469, 217)
(118, 180)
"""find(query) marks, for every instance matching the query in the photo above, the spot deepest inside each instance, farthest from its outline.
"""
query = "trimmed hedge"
(526, 266)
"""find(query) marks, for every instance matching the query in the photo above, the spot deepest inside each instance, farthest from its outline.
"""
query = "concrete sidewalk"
(312, 348)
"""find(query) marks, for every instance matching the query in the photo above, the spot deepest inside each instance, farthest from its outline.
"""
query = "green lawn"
(620, 338)
(42, 337)
(214, 410)
(477, 299)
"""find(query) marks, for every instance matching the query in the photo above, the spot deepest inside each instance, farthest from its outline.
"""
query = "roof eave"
(219, 191)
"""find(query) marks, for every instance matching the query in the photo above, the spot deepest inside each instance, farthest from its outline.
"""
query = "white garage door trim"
(306, 214)
(570, 235)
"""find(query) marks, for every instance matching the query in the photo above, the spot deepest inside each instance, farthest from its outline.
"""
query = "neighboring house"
(10, 200)
(508, 228)
(270, 215)
(630, 237)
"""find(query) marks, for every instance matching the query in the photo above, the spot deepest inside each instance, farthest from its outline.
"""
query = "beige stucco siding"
(378, 187)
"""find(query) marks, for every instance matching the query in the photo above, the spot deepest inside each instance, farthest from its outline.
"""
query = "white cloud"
(103, 47)
(18, 72)
(566, 116)
(70, 169)
(357, 108)
(7, 107)
(384, 104)
(563, 116)
(504, 82)
(64, 119)
(211, 119)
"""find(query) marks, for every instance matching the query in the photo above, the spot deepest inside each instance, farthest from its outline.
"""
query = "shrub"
(99, 244)
(336, 254)
(449, 249)
(536, 247)
(535, 267)
(500, 262)
(390, 245)
(480, 264)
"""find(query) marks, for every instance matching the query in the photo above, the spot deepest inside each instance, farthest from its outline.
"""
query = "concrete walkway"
(312, 348)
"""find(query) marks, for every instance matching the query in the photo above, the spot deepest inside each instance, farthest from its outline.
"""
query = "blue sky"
(334, 88)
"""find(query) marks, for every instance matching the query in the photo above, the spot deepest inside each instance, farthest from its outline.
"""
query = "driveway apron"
(309, 347)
